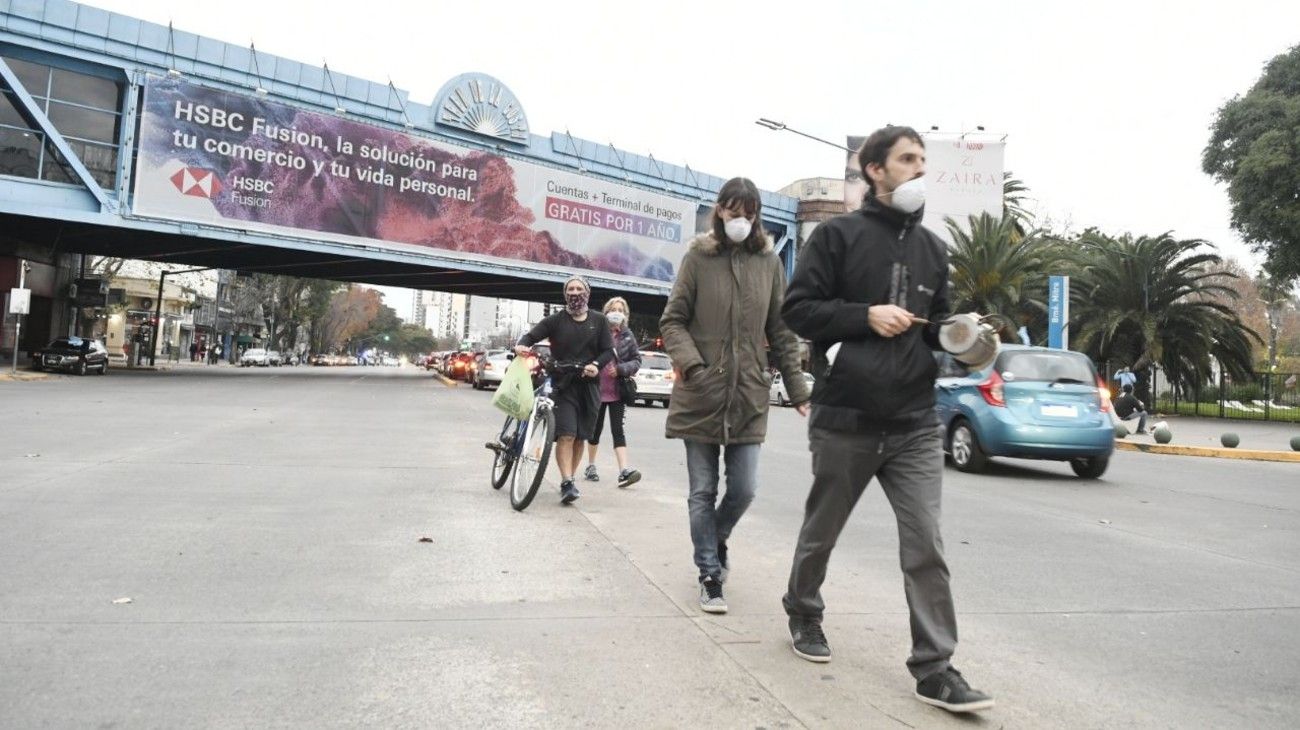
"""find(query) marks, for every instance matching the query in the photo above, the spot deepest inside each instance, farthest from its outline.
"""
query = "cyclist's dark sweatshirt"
(876, 383)
(573, 341)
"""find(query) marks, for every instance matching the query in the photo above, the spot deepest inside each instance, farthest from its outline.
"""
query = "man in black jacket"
(864, 283)
(1128, 407)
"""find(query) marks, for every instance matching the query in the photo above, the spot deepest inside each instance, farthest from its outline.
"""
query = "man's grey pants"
(910, 468)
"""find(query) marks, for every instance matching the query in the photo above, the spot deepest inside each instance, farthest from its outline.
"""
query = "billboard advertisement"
(963, 178)
(244, 162)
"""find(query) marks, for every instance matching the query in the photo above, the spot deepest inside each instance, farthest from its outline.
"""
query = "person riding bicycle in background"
(627, 362)
(577, 335)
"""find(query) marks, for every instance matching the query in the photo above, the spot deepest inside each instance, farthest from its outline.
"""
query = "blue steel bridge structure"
(73, 79)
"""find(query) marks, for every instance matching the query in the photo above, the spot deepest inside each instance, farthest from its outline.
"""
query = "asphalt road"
(265, 525)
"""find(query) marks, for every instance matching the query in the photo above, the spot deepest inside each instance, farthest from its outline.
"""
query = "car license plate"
(1061, 411)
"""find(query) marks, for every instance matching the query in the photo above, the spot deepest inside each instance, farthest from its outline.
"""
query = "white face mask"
(738, 229)
(910, 196)
(616, 318)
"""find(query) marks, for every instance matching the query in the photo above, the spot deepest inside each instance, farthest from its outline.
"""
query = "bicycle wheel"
(503, 453)
(534, 455)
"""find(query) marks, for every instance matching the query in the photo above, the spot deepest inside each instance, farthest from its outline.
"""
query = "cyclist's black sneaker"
(711, 600)
(628, 477)
(722, 560)
(591, 474)
(568, 491)
(808, 640)
(949, 690)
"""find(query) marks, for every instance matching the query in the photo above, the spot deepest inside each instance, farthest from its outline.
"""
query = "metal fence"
(1257, 397)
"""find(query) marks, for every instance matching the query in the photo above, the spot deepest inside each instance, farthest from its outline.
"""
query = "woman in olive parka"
(722, 315)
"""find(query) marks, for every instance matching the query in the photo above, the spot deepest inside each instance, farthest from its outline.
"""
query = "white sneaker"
(711, 600)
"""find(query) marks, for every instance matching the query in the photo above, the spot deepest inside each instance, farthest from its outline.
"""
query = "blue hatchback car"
(1031, 403)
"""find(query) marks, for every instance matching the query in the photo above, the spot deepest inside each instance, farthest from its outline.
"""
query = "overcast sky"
(1106, 105)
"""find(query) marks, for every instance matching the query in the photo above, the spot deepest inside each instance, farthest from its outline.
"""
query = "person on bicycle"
(627, 360)
(579, 338)
(722, 316)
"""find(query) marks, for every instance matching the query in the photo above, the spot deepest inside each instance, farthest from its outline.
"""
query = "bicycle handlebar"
(550, 364)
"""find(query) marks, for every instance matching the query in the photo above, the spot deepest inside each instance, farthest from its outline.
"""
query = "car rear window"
(656, 362)
(1045, 366)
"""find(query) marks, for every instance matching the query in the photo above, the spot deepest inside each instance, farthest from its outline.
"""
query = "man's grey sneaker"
(722, 560)
(568, 491)
(628, 477)
(711, 600)
(808, 641)
(591, 474)
(949, 690)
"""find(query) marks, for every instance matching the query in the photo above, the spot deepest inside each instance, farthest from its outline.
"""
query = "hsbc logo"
(197, 182)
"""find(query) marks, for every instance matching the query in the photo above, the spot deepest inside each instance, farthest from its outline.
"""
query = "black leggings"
(617, 412)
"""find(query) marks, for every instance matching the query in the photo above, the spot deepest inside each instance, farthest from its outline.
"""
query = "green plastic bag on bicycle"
(515, 394)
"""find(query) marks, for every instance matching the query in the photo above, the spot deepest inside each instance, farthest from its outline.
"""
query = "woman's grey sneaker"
(591, 474)
(711, 600)
(808, 641)
(568, 491)
(628, 477)
(949, 690)
(722, 560)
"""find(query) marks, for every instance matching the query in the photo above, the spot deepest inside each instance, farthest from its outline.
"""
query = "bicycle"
(522, 450)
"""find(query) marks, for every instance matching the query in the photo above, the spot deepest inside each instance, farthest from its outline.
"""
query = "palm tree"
(1013, 202)
(1155, 299)
(998, 270)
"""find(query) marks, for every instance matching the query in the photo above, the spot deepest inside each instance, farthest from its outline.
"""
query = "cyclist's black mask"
(577, 303)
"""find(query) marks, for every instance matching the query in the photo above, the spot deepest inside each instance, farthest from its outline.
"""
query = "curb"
(22, 376)
(1240, 454)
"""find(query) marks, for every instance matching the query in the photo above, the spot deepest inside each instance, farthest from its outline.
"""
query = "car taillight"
(991, 389)
(1104, 395)
(670, 375)
(487, 366)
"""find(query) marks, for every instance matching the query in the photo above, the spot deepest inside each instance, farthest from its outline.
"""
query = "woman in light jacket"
(627, 360)
(724, 307)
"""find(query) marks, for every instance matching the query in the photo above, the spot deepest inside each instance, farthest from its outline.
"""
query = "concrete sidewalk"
(1260, 440)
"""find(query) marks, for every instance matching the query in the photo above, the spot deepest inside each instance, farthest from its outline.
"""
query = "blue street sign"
(1058, 312)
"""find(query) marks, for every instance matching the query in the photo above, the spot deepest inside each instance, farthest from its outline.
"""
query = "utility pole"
(23, 266)
(157, 312)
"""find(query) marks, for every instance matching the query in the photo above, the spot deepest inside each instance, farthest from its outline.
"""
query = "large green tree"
(1156, 299)
(1254, 148)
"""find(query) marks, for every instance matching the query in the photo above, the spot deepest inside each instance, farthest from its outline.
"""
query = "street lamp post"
(782, 127)
(157, 312)
(23, 268)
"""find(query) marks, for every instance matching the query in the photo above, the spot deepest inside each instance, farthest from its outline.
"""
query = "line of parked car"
(654, 381)
(324, 360)
(261, 357)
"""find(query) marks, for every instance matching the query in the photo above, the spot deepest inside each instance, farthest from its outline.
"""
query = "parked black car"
(73, 355)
